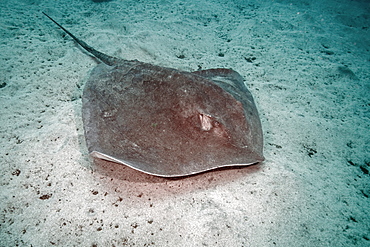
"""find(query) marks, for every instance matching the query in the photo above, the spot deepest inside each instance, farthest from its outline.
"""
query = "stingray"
(167, 122)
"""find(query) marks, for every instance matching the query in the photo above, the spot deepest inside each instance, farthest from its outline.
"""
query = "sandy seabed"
(307, 64)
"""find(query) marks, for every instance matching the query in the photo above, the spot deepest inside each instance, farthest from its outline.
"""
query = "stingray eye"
(216, 124)
(205, 122)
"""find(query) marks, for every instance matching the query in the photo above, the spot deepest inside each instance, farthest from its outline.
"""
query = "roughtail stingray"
(168, 122)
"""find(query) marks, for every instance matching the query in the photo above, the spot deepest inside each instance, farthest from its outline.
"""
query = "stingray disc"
(170, 123)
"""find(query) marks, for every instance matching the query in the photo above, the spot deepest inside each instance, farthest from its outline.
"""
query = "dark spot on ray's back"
(168, 122)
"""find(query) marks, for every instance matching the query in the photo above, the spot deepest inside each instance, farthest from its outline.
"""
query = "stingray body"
(167, 122)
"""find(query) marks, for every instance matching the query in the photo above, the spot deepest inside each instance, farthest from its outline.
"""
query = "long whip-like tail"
(109, 60)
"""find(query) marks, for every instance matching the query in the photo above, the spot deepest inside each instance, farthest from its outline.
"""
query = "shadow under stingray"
(130, 183)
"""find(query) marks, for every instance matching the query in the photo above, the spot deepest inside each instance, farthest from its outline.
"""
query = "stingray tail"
(109, 60)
